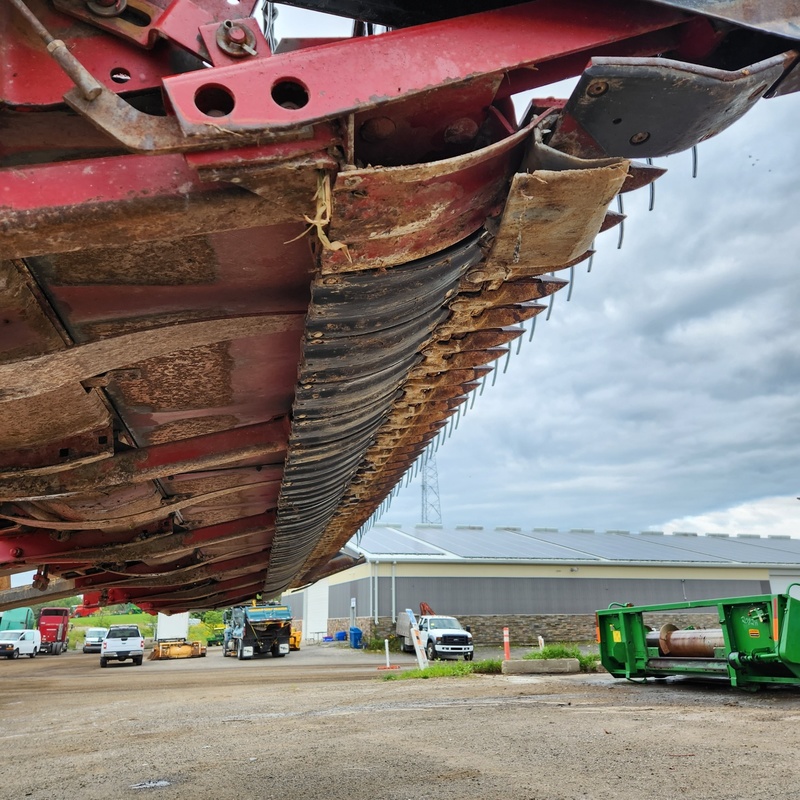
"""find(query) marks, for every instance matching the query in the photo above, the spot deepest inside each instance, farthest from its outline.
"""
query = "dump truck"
(172, 639)
(757, 642)
(257, 629)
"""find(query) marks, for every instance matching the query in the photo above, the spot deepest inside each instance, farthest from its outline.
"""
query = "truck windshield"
(11, 636)
(122, 633)
(95, 633)
(445, 622)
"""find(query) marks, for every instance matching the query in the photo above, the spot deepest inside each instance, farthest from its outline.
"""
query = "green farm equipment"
(216, 636)
(757, 643)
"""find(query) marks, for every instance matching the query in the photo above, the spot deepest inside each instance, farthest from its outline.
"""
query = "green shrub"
(448, 669)
(588, 661)
(375, 644)
(198, 633)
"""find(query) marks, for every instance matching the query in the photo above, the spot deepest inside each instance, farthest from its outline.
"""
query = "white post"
(419, 650)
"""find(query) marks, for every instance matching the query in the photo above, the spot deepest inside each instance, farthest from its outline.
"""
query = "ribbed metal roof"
(470, 542)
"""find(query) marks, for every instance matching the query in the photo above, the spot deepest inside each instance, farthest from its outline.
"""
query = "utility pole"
(431, 507)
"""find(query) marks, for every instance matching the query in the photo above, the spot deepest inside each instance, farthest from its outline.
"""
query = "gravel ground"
(321, 723)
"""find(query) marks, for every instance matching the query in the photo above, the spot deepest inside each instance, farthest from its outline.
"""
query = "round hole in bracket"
(616, 121)
(120, 75)
(214, 100)
(289, 93)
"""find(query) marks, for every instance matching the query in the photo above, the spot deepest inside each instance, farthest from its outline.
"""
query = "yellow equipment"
(294, 639)
(177, 648)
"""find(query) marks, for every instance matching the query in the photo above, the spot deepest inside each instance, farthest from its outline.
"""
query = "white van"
(14, 644)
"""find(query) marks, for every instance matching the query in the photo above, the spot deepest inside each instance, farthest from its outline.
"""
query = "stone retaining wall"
(524, 629)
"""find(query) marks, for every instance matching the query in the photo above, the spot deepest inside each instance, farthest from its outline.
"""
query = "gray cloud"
(667, 388)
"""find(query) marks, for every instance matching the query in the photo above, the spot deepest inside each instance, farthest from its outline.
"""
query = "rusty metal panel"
(552, 217)
(391, 301)
(651, 107)
(781, 17)
(392, 216)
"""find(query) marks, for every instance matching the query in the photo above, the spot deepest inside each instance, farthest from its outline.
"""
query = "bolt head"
(237, 35)
(640, 138)
(597, 88)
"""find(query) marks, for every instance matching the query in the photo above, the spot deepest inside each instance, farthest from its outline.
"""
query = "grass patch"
(146, 623)
(588, 661)
(448, 669)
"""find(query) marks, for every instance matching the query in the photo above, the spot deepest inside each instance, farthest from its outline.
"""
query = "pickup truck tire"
(103, 662)
(15, 654)
(468, 656)
(430, 650)
(137, 660)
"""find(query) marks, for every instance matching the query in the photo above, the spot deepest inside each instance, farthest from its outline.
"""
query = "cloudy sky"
(664, 394)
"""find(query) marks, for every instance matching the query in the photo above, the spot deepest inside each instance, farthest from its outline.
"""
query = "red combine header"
(244, 283)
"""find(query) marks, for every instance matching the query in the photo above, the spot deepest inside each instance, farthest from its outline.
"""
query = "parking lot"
(321, 723)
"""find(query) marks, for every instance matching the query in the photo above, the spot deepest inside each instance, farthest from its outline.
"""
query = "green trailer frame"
(758, 641)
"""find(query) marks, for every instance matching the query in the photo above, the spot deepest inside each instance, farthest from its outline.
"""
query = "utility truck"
(257, 629)
(440, 636)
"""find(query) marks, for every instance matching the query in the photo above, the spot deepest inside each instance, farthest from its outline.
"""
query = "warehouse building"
(539, 582)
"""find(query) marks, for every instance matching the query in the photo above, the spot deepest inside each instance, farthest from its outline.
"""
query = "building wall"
(556, 602)
(525, 629)
(484, 596)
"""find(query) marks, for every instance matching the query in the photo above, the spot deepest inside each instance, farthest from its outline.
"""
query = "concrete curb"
(541, 666)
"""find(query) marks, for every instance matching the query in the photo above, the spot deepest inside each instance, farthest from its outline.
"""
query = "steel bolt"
(107, 8)
(236, 35)
(640, 138)
(596, 88)
(17, 552)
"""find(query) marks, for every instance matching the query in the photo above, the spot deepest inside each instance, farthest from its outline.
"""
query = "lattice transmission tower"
(431, 507)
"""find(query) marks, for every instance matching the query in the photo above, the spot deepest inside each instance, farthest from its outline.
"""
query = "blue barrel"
(355, 638)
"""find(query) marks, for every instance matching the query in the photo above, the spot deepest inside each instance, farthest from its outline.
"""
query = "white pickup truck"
(121, 642)
(14, 644)
(441, 636)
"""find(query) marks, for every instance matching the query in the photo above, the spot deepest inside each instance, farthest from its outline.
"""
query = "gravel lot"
(321, 723)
